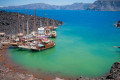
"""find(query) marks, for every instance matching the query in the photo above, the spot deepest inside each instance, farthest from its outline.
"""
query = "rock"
(114, 72)
(105, 5)
(118, 24)
(9, 24)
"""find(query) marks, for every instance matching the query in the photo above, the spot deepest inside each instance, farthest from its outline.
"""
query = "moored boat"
(53, 34)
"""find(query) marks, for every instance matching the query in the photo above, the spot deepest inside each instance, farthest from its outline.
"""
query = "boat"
(5, 43)
(36, 40)
(2, 35)
(42, 45)
(17, 40)
(1, 46)
(38, 45)
(53, 34)
(3, 40)
(24, 46)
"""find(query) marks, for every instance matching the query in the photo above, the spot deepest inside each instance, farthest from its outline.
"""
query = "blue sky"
(53, 2)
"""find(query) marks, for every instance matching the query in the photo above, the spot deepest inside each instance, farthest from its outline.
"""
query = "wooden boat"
(24, 47)
(47, 32)
(43, 46)
(17, 40)
(2, 35)
(5, 43)
(14, 44)
(1, 46)
(38, 45)
(3, 40)
(53, 35)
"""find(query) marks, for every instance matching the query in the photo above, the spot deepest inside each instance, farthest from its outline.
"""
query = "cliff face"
(9, 23)
(105, 5)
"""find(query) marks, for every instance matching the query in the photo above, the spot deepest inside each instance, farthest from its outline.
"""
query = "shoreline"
(9, 69)
(13, 68)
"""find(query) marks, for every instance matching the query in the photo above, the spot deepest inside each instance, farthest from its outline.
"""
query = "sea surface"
(84, 44)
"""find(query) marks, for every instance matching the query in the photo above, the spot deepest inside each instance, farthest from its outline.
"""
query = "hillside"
(105, 5)
(42, 6)
(8, 22)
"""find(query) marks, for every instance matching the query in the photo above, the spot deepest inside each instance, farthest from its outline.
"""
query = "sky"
(52, 2)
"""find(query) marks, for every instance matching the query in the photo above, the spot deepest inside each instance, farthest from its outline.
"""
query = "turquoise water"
(84, 44)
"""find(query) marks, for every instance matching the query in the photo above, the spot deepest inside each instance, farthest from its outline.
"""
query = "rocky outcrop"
(114, 72)
(9, 23)
(118, 24)
(105, 5)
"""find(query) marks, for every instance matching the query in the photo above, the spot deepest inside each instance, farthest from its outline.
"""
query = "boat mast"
(35, 27)
(40, 23)
(22, 25)
(47, 23)
(27, 24)
(18, 22)
(53, 24)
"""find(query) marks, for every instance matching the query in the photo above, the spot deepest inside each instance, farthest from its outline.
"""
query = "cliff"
(9, 24)
(105, 5)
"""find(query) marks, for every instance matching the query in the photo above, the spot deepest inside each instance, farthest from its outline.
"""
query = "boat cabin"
(41, 31)
(20, 34)
(47, 31)
(2, 34)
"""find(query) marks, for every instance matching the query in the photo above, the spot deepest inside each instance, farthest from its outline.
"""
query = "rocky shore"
(9, 24)
(11, 71)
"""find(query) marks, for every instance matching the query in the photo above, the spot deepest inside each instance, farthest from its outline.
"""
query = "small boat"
(2, 34)
(24, 47)
(53, 34)
(1, 46)
(38, 45)
(5, 43)
(3, 40)
(15, 42)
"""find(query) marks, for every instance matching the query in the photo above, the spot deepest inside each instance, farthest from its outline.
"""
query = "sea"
(84, 44)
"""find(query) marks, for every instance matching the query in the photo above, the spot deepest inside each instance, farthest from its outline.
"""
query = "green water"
(82, 46)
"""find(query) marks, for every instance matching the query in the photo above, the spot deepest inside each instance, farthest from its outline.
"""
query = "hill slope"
(42, 6)
(8, 22)
(105, 5)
